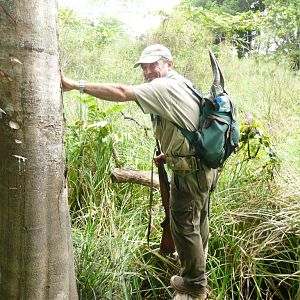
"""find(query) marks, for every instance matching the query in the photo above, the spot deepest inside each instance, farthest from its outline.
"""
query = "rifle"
(167, 245)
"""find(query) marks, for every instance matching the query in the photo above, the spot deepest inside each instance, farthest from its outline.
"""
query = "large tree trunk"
(36, 260)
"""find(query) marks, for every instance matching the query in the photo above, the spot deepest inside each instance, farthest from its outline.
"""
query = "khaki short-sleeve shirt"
(170, 101)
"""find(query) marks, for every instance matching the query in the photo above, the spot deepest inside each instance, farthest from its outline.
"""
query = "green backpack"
(218, 134)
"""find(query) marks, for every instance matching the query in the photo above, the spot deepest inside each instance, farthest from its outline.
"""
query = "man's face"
(157, 69)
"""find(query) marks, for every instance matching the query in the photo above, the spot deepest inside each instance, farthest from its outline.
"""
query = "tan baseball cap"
(152, 54)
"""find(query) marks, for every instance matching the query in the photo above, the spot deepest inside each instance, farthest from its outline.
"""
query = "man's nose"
(146, 70)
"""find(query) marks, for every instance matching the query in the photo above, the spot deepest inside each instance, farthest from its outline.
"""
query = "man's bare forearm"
(110, 91)
(106, 91)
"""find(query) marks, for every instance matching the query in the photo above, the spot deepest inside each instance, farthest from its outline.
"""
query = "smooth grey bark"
(36, 260)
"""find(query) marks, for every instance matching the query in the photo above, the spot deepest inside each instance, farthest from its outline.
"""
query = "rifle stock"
(167, 244)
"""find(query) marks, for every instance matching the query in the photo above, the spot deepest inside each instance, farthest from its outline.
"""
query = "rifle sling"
(150, 201)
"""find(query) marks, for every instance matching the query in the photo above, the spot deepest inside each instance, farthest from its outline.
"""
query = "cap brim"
(147, 60)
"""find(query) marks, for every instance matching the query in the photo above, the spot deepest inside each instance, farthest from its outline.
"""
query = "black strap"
(150, 200)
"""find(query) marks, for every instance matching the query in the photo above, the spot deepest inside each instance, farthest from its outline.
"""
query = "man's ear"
(170, 64)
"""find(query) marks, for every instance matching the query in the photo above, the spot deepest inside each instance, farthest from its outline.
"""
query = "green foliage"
(89, 148)
(223, 22)
(282, 28)
(238, 28)
(83, 41)
(227, 6)
(255, 161)
(264, 26)
(253, 142)
(95, 33)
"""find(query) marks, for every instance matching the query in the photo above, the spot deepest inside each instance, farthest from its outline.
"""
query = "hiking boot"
(178, 284)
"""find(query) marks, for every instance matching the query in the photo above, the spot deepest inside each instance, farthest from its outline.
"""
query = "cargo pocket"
(182, 165)
(181, 205)
(205, 176)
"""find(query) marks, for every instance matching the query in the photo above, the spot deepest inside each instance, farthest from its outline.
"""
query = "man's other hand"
(161, 158)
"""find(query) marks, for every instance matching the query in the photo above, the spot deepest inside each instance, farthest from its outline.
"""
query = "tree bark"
(125, 175)
(36, 260)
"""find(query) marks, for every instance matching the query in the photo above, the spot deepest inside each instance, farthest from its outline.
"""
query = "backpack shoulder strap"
(190, 135)
(189, 84)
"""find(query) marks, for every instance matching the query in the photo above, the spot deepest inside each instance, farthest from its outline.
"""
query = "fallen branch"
(127, 175)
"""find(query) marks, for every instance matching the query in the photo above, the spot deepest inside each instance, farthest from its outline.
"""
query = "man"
(166, 96)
